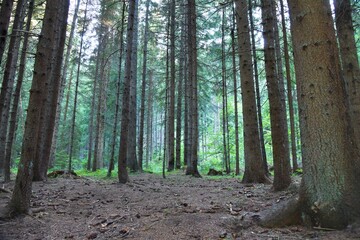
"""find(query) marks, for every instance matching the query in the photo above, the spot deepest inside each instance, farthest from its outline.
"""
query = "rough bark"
(9, 77)
(254, 168)
(17, 93)
(279, 134)
(349, 60)
(125, 118)
(329, 195)
(193, 92)
(20, 201)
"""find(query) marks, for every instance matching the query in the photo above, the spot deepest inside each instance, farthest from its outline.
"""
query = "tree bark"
(20, 201)
(9, 77)
(17, 93)
(279, 135)
(5, 13)
(125, 118)
(254, 167)
(349, 60)
(329, 194)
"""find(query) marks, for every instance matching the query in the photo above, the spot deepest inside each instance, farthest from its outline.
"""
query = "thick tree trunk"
(279, 134)
(20, 201)
(254, 167)
(329, 194)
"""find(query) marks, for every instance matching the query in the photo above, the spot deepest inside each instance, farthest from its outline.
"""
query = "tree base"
(285, 214)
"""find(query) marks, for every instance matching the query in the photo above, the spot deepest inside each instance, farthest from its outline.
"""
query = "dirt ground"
(150, 207)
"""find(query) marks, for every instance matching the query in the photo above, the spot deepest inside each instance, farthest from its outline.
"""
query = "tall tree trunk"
(118, 88)
(171, 123)
(349, 60)
(143, 87)
(125, 118)
(254, 167)
(55, 14)
(224, 95)
(132, 156)
(5, 13)
(257, 88)
(149, 121)
(235, 83)
(73, 121)
(17, 93)
(193, 92)
(329, 192)
(279, 134)
(289, 90)
(63, 82)
(9, 77)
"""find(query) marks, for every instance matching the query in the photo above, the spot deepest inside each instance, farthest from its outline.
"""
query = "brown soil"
(150, 207)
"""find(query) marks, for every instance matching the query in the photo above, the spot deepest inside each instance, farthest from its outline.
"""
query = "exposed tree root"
(285, 214)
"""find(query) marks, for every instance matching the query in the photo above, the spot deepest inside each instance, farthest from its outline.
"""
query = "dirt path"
(149, 207)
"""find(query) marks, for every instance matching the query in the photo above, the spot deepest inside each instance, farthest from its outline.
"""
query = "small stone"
(92, 235)
(223, 235)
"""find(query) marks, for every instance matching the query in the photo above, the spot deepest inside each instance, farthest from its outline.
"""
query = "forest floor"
(150, 207)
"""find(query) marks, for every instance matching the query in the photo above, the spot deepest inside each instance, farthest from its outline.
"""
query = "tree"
(9, 77)
(54, 19)
(5, 13)
(279, 134)
(72, 131)
(289, 89)
(349, 60)
(329, 194)
(16, 100)
(193, 92)
(125, 118)
(118, 89)
(254, 168)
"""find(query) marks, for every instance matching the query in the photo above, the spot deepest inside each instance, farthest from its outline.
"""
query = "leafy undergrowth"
(150, 207)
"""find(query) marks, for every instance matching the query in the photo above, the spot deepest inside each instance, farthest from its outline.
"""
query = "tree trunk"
(235, 83)
(72, 131)
(132, 156)
(149, 121)
(329, 194)
(254, 167)
(5, 13)
(118, 88)
(349, 60)
(289, 90)
(257, 89)
(9, 77)
(279, 135)
(193, 92)
(125, 118)
(143, 88)
(17, 93)
(20, 201)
